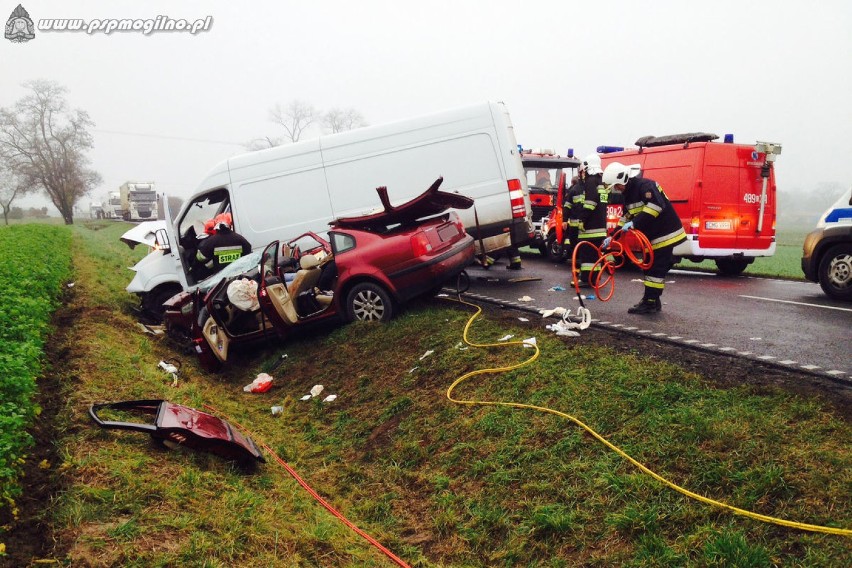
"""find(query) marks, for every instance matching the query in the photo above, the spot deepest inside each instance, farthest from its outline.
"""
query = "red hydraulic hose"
(314, 494)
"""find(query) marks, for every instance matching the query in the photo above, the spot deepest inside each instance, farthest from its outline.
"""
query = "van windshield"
(203, 209)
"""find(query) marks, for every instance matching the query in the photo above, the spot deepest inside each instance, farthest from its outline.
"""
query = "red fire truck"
(724, 193)
(548, 177)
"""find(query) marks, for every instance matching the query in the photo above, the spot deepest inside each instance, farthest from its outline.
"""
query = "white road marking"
(727, 349)
(811, 367)
(708, 345)
(835, 372)
(766, 357)
(796, 303)
(788, 362)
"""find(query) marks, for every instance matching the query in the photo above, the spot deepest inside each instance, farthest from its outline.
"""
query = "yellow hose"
(604, 441)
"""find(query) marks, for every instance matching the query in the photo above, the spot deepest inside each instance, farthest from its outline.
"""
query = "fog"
(574, 74)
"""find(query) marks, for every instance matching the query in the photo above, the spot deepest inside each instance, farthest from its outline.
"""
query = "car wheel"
(554, 249)
(731, 266)
(835, 272)
(368, 302)
(154, 300)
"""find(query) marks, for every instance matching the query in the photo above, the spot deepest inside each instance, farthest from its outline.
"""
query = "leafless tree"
(12, 186)
(262, 143)
(295, 117)
(340, 119)
(47, 143)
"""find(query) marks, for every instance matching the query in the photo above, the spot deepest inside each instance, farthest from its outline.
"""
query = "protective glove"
(627, 225)
(605, 244)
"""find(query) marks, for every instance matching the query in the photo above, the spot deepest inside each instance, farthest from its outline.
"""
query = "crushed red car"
(364, 270)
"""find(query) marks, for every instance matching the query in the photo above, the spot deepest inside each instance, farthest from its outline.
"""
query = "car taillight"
(516, 198)
(420, 244)
(695, 224)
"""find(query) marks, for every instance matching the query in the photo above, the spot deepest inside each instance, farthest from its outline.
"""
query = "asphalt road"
(788, 323)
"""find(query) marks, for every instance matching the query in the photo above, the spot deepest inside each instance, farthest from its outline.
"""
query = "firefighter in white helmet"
(592, 216)
(647, 209)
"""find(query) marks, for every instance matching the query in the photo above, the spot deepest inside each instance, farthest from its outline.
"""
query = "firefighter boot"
(647, 306)
(514, 262)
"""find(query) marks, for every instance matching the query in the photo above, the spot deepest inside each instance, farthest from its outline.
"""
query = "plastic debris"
(506, 338)
(412, 370)
(559, 311)
(556, 288)
(316, 390)
(276, 410)
(525, 299)
(427, 354)
(591, 297)
(530, 342)
(562, 329)
(71, 284)
(330, 398)
(523, 319)
(262, 383)
(306, 397)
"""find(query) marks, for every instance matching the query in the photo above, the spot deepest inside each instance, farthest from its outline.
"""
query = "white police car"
(827, 253)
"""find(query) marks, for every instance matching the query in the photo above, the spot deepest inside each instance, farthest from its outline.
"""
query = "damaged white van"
(288, 190)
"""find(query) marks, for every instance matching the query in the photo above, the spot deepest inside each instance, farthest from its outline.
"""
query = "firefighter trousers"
(655, 276)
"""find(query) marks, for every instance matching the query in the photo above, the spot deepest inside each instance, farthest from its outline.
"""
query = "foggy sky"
(578, 74)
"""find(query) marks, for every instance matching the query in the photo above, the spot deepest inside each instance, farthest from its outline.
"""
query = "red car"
(367, 267)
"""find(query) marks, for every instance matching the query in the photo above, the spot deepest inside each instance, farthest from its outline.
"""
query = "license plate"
(718, 225)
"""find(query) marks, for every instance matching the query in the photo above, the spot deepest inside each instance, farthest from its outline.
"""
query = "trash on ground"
(176, 425)
(306, 397)
(262, 383)
(152, 329)
(556, 288)
(525, 299)
(562, 329)
(427, 354)
(558, 311)
(523, 319)
(506, 338)
(487, 279)
(411, 370)
(529, 342)
(170, 366)
(461, 346)
(590, 297)
(524, 279)
(276, 410)
(71, 284)
(330, 398)
(316, 390)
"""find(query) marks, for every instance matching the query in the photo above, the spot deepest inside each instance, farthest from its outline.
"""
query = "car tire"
(368, 302)
(835, 272)
(731, 266)
(153, 301)
(555, 251)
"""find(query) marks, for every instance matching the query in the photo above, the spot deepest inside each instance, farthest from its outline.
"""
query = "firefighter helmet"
(616, 173)
(591, 164)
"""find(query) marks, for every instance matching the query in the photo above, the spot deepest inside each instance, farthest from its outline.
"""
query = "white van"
(288, 190)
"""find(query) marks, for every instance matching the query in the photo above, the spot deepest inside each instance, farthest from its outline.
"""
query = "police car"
(827, 252)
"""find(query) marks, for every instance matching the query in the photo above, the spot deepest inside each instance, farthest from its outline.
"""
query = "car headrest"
(309, 261)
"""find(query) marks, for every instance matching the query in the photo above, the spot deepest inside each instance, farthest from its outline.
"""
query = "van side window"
(341, 242)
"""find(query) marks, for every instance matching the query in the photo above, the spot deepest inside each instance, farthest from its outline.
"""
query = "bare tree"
(12, 186)
(340, 119)
(295, 117)
(46, 143)
(262, 143)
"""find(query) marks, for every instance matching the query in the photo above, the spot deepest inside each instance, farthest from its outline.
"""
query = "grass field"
(440, 484)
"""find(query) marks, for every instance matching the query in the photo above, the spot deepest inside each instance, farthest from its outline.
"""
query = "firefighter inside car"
(647, 209)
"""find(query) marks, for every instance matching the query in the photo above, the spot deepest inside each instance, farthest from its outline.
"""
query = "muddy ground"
(31, 538)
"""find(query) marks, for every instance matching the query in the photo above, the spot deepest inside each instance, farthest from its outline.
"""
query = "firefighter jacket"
(574, 204)
(652, 213)
(220, 249)
(593, 212)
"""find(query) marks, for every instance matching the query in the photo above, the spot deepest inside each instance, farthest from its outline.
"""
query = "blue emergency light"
(608, 149)
(570, 152)
(520, 149)
(729, 138)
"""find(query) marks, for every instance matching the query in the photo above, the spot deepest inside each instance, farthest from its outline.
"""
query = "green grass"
(440, 484)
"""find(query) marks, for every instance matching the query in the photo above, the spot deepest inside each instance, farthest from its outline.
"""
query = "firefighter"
(571, 211)
(219, 249)
(592, 215)
(647, 208)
